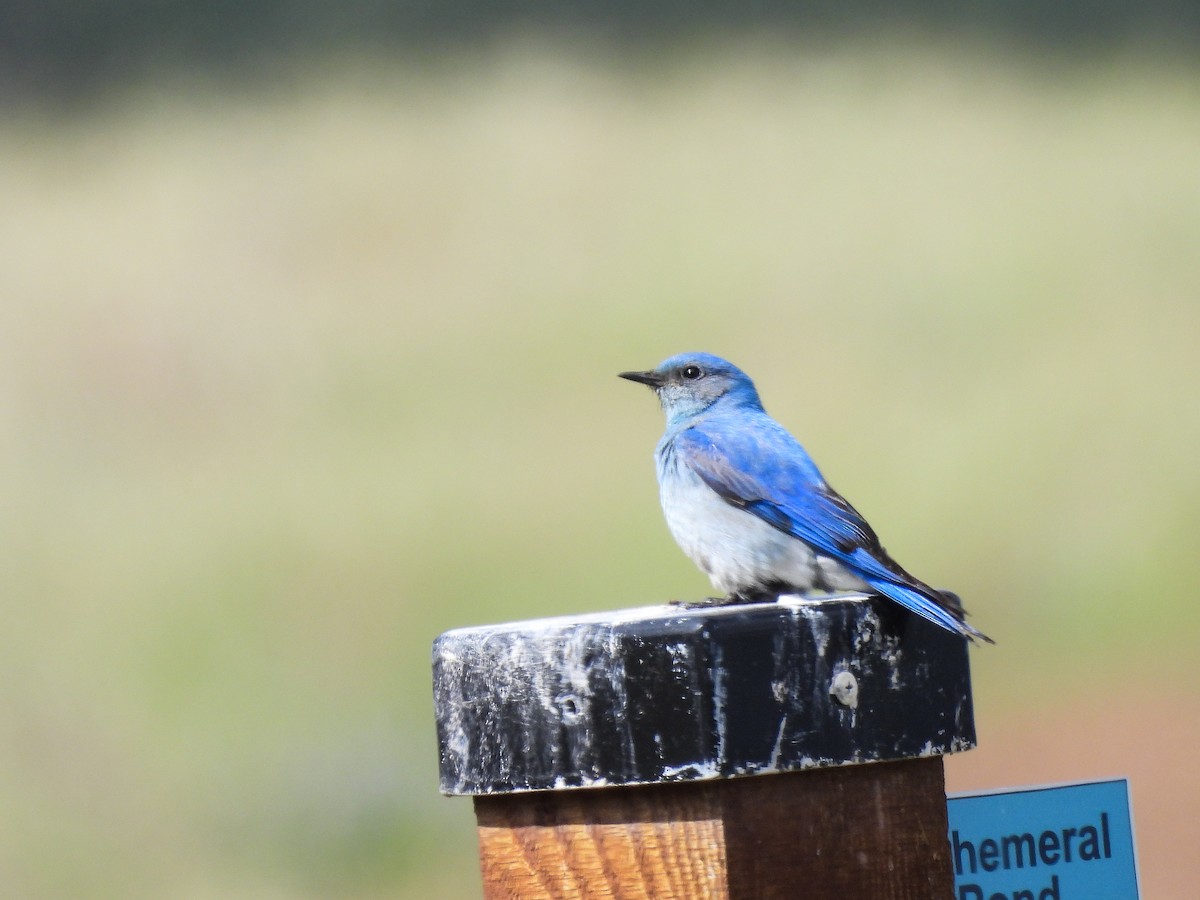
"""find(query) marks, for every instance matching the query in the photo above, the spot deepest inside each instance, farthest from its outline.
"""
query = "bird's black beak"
(652, 379)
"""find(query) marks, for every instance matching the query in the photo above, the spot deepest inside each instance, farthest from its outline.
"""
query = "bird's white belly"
(738, 550)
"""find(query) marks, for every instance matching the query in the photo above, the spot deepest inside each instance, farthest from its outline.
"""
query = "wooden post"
(788, 749)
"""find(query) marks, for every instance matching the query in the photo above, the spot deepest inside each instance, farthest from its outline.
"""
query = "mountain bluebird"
(749, 507)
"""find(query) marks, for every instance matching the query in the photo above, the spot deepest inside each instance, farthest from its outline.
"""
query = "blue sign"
(1065, 842)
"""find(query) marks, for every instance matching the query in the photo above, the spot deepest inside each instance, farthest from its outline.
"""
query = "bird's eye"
(691, 373)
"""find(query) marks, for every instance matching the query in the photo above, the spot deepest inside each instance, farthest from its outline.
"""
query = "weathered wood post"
(788, 749)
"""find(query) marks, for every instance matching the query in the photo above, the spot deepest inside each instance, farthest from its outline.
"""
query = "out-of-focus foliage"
(292, 381)
(70, 49)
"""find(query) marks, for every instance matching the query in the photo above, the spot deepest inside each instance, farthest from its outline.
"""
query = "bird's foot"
(764, 595)
(734, 599)
(702, 603)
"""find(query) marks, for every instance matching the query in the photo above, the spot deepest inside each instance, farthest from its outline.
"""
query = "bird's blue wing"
(761, 468)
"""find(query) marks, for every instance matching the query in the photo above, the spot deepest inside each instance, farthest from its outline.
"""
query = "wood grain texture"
(876, 831)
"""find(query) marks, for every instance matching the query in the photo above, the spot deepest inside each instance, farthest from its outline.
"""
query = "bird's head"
(690, 383)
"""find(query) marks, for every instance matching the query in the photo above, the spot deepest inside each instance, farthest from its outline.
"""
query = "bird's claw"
(702, 603)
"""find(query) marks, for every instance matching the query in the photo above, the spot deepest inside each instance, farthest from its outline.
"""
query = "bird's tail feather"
(947, 614)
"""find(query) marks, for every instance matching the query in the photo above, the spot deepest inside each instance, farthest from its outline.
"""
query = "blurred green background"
(305, 361)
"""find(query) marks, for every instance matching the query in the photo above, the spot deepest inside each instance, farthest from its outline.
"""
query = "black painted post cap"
(666, 693)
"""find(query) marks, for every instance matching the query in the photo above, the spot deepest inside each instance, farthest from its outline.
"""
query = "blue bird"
(748, 505)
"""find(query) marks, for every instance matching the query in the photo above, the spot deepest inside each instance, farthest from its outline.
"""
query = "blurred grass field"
(294, 379)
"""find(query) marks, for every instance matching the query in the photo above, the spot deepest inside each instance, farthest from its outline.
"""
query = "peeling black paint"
(667, 694)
